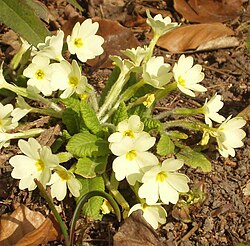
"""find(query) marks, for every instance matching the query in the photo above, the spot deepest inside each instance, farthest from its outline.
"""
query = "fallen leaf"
(245, 113)
(37, 123)
(25, 227)
(219, 43)
(181, 212)
(136, 232)
(192, 36)
(48, 231)
(116, 38)
(208, 10)
(22, 221)
(49, 136)
(108, 9)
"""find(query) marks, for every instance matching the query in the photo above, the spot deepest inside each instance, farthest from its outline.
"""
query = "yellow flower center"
(78, 42)
(63, 175)
(149, 100)
(161, 176)
(181, 81)
(128, 133)
(131, 155)
(40, 74)
(39, 165)
(83, 96)
(73, 81)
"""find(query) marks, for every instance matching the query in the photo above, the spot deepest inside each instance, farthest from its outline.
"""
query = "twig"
(190, 233)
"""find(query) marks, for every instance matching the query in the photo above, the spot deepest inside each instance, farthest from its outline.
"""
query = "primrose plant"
(114, 136)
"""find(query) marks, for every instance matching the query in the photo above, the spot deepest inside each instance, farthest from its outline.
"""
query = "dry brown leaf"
(22, 221)
(208, 10)
(25, 227)
(48, 231)
(108, 9)
(245, 113)
(219, 43)
(136, 232)
(192, 36)
(116, 38)
(49, 136)
(37, 123)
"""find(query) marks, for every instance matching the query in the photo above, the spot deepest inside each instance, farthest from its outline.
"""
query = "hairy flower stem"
(151, 48)
(53, 209)
(113, 93)
(192, 125)
(123, 98)
(27, 94)
(92, 98)
(179, 111)
(135, 189)
(114, 182)
(24, 134)
(47, 111)
(164, 92)
(116, 194)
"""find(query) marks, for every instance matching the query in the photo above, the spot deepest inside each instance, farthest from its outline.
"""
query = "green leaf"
(165, 146)
(75, 4)
(108, 84)
(92, 208)
(120, 114)
(138, 110)
(73, 103)
(89, 117)
(150, 124)
(39, 9)
(72, 120)
(177, 135)
(17, 15)
(89, 168)
(194, 159)
(64, 156)
(86, 144)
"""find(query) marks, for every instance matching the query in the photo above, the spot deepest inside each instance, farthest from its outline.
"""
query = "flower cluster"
(38, 162)
(46, 76)
(160, 182)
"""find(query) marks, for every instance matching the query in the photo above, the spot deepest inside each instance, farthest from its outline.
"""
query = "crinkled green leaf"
(194, 159)
(120, 114)
(150, 124)
(17, 15)
(89, 118)
(73, 103)
(177, 135)
(89, 168)
(73, 121)
(92, 208)
(64, 157)
(138, 110)
(86, 144)
(165, 146)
